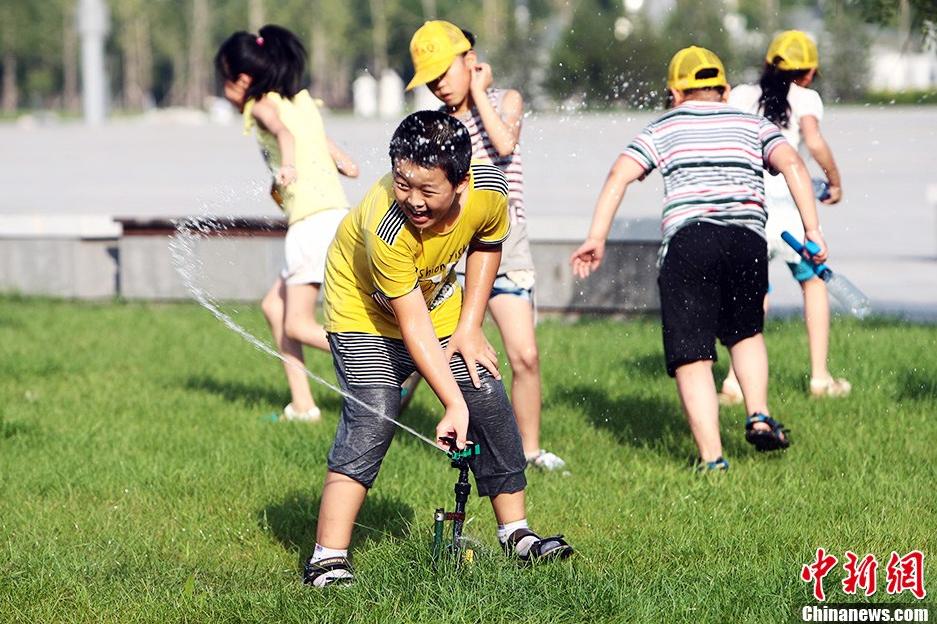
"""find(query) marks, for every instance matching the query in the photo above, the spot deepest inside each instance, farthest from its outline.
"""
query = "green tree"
(593, 65)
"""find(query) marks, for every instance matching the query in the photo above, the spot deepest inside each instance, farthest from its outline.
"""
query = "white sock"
(321, 552)
(523, 546)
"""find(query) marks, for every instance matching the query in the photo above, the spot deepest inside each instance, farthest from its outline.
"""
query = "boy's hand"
(454, 424)
(286, 175)
(588, 257)
(817, 237)
(836, 195)
(474, 348)
(481, 78)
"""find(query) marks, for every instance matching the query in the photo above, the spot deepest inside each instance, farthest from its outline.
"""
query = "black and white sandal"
(542, 549)
(325, 572)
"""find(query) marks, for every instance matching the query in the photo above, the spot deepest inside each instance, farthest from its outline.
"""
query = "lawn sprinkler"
(456, 550)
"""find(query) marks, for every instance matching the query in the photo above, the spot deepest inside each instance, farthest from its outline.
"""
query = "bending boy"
(713, 258)
(393, 305)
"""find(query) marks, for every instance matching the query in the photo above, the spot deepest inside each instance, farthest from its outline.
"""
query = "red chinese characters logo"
(816, 571)
(860, 574)
(902, 574)
(906, 574)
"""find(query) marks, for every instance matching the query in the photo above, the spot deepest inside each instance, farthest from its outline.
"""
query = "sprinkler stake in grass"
(456, 549)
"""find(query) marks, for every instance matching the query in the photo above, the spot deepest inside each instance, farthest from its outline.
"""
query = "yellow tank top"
(317, 186)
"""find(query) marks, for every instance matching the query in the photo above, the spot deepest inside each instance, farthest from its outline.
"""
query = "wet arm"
(503, 130)
(820, 149)
(266, 115)
(345, 164)
(418, 334)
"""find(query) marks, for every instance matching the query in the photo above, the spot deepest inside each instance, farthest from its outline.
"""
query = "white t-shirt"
(804, 102)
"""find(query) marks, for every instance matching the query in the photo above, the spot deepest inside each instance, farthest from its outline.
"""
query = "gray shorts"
(371, 368)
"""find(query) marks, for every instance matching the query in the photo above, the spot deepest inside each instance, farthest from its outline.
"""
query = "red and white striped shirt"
(712, 158)
(483, 151)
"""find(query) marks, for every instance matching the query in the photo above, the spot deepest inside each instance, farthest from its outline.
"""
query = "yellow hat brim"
(437, 68)
(429, 73)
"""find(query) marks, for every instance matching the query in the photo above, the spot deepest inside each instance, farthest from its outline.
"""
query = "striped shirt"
(712, 158)
(484, 151)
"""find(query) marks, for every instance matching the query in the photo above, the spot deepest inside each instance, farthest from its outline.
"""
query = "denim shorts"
(504, 285)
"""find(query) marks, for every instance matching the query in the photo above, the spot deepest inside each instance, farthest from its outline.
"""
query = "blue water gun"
(844, 291)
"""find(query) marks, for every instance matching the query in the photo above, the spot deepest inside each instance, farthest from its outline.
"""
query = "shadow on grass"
(916, 386)
(642, 422)
(10, 429)
(634, 421)
(256, 394)
(647, 365)
(293, 521)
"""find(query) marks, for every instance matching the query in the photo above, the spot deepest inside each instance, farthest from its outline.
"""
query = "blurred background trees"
(595, 53)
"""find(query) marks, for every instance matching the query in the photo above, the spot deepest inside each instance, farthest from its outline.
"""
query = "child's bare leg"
(697, 391)
(817, 319)
(301, 324)
(342, 498)
(509, 507)
(274, 309)
(750, 357)
(515, 319)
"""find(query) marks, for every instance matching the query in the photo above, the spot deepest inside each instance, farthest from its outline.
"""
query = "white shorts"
(307, 243)
(782, 215)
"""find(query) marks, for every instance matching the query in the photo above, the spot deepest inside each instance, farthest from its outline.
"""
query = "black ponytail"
(275, 60)
(775, 84)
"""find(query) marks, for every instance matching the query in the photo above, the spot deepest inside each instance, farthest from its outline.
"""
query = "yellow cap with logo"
(793, 50)
(433, 48)
(695, 68)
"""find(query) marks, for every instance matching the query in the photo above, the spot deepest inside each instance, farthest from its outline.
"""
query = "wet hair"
(432, 139)
(275, 60)
(775, 84)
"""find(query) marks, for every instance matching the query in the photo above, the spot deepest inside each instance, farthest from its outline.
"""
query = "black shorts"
(712, 285)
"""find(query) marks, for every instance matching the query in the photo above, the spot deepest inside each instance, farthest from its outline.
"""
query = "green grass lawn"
(141, 481)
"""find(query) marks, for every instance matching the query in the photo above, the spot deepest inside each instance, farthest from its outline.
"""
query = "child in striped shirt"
(713, 256)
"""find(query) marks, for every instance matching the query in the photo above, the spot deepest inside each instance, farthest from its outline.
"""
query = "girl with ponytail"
(263, 79)
(784, 97)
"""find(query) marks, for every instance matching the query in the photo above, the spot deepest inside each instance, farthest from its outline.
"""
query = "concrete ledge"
(85, 227)
(83, 269)
(244, 258)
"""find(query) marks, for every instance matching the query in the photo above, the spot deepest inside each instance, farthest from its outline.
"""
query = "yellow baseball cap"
(688, 63)
(433, 48)
(795, 49)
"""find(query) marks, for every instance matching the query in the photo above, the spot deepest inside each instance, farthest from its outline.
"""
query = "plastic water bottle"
(821, 189)
(841, 289)
(848, 295)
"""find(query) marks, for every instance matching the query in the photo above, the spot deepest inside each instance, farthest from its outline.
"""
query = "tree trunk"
(197, 79)
(379, 36)
(769, 16)
(71, 99)
(11, 95)
(255, 14)
(904, 25)
(429, 9)
(176, 96)
(319, 59)
(491, 22)
(130, 63)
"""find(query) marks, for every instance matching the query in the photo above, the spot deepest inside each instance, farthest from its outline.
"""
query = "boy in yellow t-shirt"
(393, 305)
